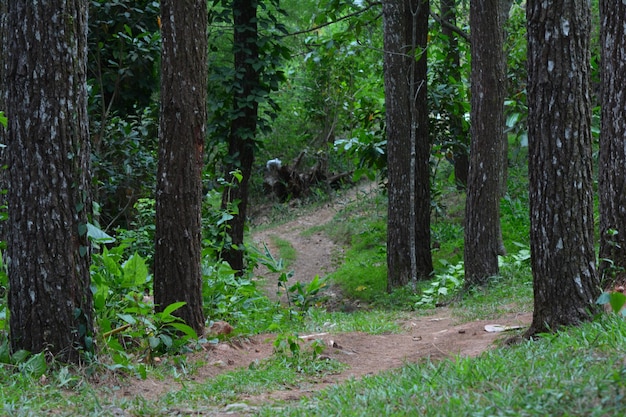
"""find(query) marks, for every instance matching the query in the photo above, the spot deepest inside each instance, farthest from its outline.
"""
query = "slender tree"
(560, 164)
(453, 63)
(612, 165)
(482, 212)
(241, 143)
(48, 254)
(408, 147)
(177, 258)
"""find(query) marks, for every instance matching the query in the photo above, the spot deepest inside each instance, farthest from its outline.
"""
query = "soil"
(425, 337)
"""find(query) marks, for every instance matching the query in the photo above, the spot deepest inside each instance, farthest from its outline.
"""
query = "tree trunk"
(48, 253)
(459, 135)
(482, 214)
(612, 171)
(408, 146)
(241, 142)
(177, 258)
(561, 196)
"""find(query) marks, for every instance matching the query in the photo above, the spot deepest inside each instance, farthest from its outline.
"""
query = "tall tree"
(612, 165)
(177, 258)
(45, 93)
(408, 146)
(453, 58)
(241, 143)
(482, 210)
(560, 168)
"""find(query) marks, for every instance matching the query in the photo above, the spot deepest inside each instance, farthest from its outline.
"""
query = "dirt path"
(427, 337)
(436, 336)
(315, 251)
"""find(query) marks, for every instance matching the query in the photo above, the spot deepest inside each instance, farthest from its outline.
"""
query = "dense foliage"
(321, 93)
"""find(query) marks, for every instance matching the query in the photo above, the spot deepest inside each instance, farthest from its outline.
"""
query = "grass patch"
(372, 322)
(361, 228)
(258, 378)
(511, 292)
(363, 275)
(286, 251)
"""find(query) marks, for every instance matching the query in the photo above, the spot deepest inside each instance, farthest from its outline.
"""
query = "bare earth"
(437, 336)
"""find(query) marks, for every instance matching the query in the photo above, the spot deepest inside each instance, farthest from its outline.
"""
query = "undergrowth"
(580, 367)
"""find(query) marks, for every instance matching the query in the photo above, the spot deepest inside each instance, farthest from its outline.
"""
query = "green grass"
(286, 251)
(372, 322)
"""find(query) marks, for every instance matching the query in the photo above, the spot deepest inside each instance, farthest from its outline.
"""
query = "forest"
(315, 207)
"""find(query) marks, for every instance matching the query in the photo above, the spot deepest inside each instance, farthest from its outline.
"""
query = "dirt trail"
(315, 251)
(436, 336)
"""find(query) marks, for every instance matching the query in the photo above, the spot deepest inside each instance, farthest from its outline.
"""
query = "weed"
(303, 296)
(140, 237)
(443, 285)
(237, 300)
(33, 366)
(288, 350)
(125, 313)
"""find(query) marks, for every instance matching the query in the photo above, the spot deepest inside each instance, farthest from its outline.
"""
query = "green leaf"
(19, 356)
(167, 341)
(154, 342)
(225, 217)
(99, 300)
(3, 119)
(617, 300)
(237, 175)
(5, 353)
(95, 234)
(604, 298)
(173, 307)
(127, 318)
(110, 263)
(135, 271)
(35, 366)
(182, 327)
(142, 371)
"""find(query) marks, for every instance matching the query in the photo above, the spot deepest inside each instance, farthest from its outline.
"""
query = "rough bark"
(177, 259)
(612, 164)
(408, 146)
(560, 169)
(48, 254)
(241, 142)
(482, 213)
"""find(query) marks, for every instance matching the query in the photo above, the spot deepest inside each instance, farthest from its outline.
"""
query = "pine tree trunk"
(560, 164)
(408, 146)
(482, 214)
(177, 258)
(48, 254)
(612, 164)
